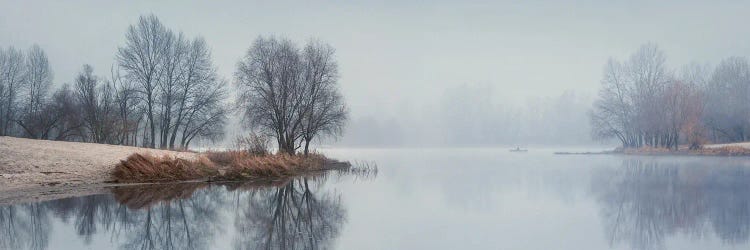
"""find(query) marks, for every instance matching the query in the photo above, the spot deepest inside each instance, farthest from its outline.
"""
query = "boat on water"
(518, 150)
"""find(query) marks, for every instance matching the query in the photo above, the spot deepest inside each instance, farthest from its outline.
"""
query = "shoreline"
(32, 170)
(29, 163)
(712, 150)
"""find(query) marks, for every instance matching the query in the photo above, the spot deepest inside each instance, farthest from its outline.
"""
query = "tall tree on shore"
(142, 58)
(12, 72)
(290, 94)
(271, 93)
(325, 113)
(172, 77)
(38, 79)
(128, 106)
(728, 100)
(36, 86)
(96, 99)
(65, 107)
(177, 83)
(632, 102)
(613, 111)
(200, 109)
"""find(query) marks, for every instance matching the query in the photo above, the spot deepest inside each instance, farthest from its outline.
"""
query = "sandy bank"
(39, 165)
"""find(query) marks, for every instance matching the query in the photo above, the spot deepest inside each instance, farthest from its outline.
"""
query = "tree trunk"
(307, 146)
(152, 143)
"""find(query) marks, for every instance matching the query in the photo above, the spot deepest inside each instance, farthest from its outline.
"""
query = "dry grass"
(225, 165)
(244, 165)
(647, 150)
(225, 158)
(147, 168)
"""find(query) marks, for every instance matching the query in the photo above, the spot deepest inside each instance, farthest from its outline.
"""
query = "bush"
(253, 143)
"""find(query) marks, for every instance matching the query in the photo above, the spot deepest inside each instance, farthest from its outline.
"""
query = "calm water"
(418, 199)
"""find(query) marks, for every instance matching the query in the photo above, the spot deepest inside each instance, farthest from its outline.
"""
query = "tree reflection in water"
(24, 227)
(644, 202)
(289, 217)
(290, 214)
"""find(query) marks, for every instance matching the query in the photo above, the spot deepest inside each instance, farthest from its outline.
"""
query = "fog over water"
(417, 73)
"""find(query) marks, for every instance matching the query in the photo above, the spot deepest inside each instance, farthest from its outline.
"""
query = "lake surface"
(481, 198)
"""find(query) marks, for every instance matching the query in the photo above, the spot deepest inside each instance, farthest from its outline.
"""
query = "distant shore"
(729, 150)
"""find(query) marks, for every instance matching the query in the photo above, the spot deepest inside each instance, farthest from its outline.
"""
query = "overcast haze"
(401, 61)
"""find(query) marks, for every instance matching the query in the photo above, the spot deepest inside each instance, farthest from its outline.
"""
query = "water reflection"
(24, 227)
(283, 214)
(525, 203)
(289, 217)
(644, 202)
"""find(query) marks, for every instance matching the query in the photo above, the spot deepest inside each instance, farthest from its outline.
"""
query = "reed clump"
(245, 165)
(148, 168)
(221, 166)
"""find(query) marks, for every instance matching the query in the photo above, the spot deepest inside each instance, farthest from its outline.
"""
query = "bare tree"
(636, 97)
(97, 102)
(128, 105)
(290, 94)
(69, 126)
(36, 85)
(324, 112)
(206, 116)
(38, 79)
(728, 100)
(612, 113)
(142, 58)
(12, 71)
(271, 93)
(199, 88)
(177, 83)
(172, 77)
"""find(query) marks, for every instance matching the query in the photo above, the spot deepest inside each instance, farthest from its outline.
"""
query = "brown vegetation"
(244, 165)
(146, 168)
(225, 165)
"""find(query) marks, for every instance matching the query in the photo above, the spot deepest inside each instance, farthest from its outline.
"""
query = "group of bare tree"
(291, 94)
(164, 89)
(643, 103)
(26, 106)
(175, 82)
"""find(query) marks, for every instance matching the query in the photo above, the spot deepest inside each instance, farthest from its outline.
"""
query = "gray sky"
(394, 54)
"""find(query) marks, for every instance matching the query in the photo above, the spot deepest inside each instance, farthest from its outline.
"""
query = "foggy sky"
(394, 54)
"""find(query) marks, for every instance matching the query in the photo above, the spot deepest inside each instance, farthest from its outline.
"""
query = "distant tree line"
(644, 103)
(164, 91)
